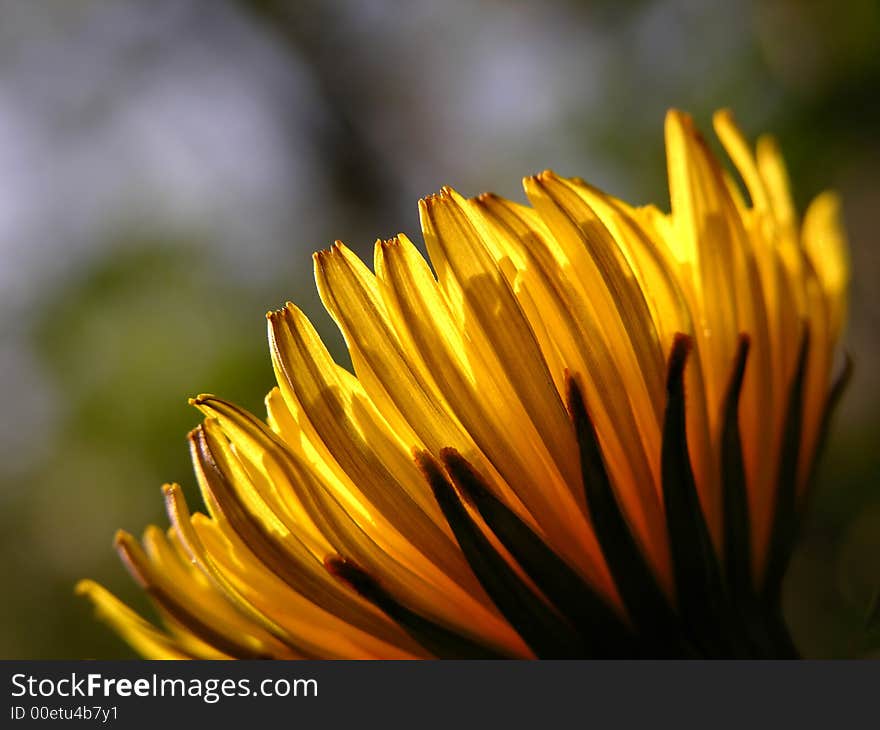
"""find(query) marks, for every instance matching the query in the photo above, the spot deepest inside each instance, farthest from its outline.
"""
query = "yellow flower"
(589, 434)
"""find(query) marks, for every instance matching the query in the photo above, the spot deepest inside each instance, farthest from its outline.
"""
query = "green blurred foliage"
(123, 344)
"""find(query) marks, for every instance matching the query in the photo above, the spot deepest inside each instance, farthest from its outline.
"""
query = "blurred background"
(166, 168)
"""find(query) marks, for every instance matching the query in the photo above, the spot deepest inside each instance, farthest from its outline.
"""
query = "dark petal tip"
(439, 640)
(351, 574)
(602, 632)
(649, 610)
(546, 632)
(681, 348)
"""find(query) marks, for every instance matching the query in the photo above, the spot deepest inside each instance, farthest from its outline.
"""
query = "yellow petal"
(146, 639)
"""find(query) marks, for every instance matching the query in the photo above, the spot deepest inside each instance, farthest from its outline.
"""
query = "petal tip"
(681, 348)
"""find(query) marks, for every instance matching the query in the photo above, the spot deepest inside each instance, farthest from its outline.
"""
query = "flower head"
(589, 431)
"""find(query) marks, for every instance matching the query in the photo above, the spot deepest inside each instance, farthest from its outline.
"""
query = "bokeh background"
(167, 166)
